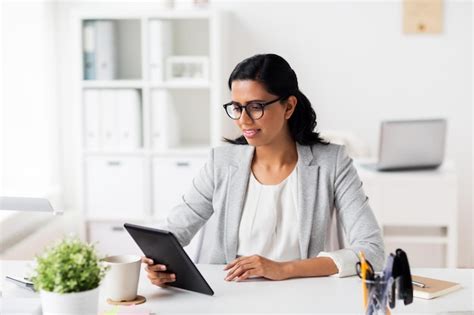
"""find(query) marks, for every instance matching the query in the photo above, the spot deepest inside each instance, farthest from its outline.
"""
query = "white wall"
(29, 98)
(353, 62)
(357, 67)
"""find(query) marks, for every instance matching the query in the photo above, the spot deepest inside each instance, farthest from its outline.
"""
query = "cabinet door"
(422, 200)
(171, 178)
(115, 187)
(111, 239)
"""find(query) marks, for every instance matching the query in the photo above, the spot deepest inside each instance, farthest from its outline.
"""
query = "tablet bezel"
(187, 268)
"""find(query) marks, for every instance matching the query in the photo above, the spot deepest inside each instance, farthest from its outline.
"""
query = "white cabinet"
(416, 210)
(115, 187)
(171, 178)
(425, 199)
(111, 238)
(148, 125)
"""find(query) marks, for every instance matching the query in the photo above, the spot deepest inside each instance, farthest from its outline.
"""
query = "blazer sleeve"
(185, 219)
(356, 217)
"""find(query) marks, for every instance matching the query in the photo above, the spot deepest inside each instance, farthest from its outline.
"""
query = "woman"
(268, 198)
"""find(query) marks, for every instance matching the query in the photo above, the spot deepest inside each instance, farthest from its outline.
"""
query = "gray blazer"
(327, 183)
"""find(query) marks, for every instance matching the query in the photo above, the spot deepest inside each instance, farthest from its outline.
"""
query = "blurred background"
(109, 108)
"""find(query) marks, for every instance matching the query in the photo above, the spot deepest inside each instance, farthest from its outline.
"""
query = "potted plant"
(68, 276)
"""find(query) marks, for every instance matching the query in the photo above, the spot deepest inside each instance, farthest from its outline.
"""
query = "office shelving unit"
(179, 119)
(417, 211)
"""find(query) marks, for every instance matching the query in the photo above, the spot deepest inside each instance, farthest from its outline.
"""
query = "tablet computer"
(163, 247)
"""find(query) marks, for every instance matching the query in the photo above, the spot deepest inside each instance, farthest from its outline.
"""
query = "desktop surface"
(305, 295)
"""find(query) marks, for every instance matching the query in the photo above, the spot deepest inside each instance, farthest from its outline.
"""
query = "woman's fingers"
(233, 263)
(245, 275)
(156, 273)
(238, 270)
(156, 267)
(163, 283)
(161, 277)
(147, 260)
(237, 263)
(151, 264)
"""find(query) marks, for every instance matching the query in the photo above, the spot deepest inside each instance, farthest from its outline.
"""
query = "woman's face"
(273, 124)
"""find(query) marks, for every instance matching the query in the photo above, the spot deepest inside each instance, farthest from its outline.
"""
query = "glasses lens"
(233, 111)
(254, 110)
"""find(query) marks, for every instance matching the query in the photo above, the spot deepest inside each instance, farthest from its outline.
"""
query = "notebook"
(434, 287)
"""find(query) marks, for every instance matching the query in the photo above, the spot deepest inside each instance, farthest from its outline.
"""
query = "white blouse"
(269, 220)
(269, 225)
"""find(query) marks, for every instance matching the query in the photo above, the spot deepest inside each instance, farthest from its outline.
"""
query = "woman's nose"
(245, 118)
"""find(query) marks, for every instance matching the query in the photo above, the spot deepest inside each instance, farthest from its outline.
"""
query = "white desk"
(308, 295)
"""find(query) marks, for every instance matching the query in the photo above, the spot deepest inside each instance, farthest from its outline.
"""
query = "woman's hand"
(157, 273)
(257, 266)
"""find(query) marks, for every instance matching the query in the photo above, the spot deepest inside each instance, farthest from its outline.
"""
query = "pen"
(21, 283)
(418, 284)
(363, 271)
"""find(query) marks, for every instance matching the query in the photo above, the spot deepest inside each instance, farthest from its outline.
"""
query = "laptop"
(410, 145)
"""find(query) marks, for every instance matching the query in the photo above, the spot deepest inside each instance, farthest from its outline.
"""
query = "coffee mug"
(121, 280)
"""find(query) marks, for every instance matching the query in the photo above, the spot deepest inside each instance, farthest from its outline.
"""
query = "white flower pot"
(79, 303)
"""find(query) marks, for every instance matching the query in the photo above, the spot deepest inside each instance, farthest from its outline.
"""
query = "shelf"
(112, 49)
(138, 84)
(417, 239)
(136, 181)
(181, 85)
(184, 150)
(115, 153)
(113, 84)
(119, 220)
(181, 14)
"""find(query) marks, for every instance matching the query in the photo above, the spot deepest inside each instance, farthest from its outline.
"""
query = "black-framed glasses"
(254, 109)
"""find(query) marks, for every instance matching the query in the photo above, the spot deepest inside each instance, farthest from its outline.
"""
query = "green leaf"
(68, 266)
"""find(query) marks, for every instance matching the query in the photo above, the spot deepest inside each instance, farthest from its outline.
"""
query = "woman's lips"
(250, 133)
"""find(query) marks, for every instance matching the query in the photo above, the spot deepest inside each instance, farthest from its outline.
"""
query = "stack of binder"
(160, 48)
(100, 56)
(112, 119)
(165, 121)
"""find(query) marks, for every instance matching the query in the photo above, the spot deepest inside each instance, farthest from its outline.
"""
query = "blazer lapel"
(307, 188)
(236, 192)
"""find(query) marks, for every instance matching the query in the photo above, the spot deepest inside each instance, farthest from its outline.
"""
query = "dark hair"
(279, 79)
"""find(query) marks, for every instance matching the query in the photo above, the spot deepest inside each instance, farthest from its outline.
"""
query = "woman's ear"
(291, 103)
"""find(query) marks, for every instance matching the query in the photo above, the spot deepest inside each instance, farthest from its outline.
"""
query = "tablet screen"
(163, 247)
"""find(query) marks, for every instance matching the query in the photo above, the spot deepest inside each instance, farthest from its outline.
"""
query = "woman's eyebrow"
(252, 101)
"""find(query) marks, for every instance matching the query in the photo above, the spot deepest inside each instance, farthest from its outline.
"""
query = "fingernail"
(163, 268)
(173, 276)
